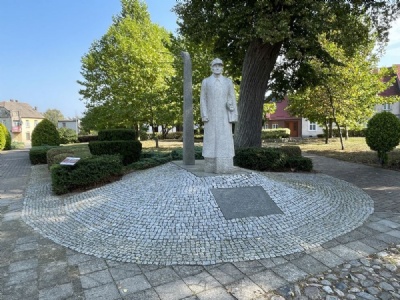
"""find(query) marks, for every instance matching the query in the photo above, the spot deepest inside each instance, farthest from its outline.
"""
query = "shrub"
(87, 138)
(53, 152)
(6, 145)
(291, 151)
(129, 150)
(296, 163)
(275, 133)
(38, 154)
(383, 134)
(262, 159)
(117, 134)
(177, 154)
(17, 145)
(45, 133)
(174, 135)
(67, 135)
(85, 173)
(2, 136)
(149, 162)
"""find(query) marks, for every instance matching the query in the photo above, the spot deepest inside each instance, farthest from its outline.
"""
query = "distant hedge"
(129, 150)
(117, 134)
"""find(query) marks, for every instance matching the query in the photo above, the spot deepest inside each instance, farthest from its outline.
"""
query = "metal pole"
(188, 126)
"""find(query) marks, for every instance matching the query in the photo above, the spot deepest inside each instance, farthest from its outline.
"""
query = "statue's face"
(217, 69)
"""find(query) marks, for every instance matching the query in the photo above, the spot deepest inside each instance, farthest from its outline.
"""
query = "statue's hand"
(229, 105)
(205, 119)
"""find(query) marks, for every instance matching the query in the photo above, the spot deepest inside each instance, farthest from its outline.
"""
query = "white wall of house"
(393, 108)
(310, 129)
(71, 124)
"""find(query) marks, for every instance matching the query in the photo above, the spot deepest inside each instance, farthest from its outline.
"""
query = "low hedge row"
(129, 150)
(177, 154)
(85, 173)
(87, 138)
(272, 159)
(275, 133)
(38, 154)
(54, 155)
(117, 134)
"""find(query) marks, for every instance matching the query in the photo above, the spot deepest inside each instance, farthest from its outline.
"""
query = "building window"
(274, 126)
(265, 126)
(35, 123)
(312, 126)
(27, 124)
(28, 136)
(387, 107)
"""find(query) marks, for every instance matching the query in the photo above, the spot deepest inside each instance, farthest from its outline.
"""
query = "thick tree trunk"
(259, 61)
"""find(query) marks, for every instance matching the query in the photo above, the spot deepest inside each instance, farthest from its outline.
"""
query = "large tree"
(124, 72)
(346, 94)
(53, 115)
(251, 34)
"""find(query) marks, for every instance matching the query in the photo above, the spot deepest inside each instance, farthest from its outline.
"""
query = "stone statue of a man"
(218, 111)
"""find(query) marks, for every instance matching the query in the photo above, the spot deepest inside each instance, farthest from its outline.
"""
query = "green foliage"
(286, 158)
(250, 36)
(117, 134)
(129, 150)
(261, 159)
(38, 154)
(299, 163)
(53, 115)
(3, 134)
(383, 134)
(275, 133)
(17, 145)
(124, 73)
(150, 160)
(53, 152)
(85, 173)
(177, 154)
(67, 135)
(45, 133)
(87, 138)
(291, 151)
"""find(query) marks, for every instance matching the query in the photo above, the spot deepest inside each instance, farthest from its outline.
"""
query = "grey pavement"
(34, 267)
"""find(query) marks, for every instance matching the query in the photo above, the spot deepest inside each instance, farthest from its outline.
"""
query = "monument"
(218, 111)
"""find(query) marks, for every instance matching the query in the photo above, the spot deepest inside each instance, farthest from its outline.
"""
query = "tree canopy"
(346, 94)
(250, 35)
(53, 115)
(124, 72)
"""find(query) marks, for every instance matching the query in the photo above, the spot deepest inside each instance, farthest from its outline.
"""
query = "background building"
(20, 119)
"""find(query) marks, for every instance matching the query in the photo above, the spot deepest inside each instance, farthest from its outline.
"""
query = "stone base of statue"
(218, 165)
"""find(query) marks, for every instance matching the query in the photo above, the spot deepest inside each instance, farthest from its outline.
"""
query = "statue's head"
(217, 66)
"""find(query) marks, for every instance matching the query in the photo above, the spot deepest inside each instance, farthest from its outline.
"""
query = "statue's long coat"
(218, 138)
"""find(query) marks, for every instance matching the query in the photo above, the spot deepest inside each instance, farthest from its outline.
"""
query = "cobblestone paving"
(34, 267)
(166, 215)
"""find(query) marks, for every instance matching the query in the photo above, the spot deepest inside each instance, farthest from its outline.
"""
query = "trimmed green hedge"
(85, 173)
(129, 150)
(51, 153)
(275, 133)
(38, 154)
(177, 154)
(286, 158)
(117, 134)
(45, 133)
(87, 138)
(261, 159)
(303, 164)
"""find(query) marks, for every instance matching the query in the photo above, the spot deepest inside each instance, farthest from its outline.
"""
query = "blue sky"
(42, 42)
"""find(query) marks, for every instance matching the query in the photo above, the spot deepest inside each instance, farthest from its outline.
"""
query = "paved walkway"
(33, 267)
